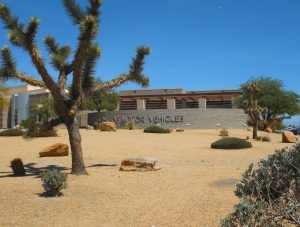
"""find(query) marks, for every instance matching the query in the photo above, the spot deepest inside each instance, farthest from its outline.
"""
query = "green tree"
(249, 102)
(79, 70)
(3, 92)
(278, 103)
(100, 100)
(46, 110)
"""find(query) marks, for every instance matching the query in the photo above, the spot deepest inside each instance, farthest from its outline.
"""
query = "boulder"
(138, 164)
(289, 137)
(268, 129)
(96, 125)
(108, 126)
(223, 132)
(180, 130)
(58, 149)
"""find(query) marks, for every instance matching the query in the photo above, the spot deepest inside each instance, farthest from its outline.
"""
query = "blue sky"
(196, 44)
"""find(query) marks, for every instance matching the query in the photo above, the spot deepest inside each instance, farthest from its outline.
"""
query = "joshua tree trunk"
(255, 126)
(78, 167)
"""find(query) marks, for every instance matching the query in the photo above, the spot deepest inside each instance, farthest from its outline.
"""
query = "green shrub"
(12, 132)
(130, 125)
(53, 182)
(231, 143)
(258, 138)
(270, 193)
(39, 130)
(156, 129)
(17, 166)
(265, 139)
(28, 123)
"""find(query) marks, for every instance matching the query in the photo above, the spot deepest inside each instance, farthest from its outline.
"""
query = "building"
(174, 108)
(23, 101)
(168, 107)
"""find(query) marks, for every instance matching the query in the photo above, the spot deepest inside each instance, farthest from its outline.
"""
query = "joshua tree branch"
(134, 74)
(123, 78)
(28, 79)
(40, 66)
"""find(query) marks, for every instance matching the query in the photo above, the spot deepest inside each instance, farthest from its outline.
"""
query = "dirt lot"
(194, 187)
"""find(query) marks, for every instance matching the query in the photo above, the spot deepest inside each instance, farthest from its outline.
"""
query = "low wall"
(179, 118)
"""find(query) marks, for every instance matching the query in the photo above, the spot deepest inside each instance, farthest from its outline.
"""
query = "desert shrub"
(156, 129)
(53, 182)
(223, 132)
(270, 193)
(265, 139)
(27, 123)
(12, 132)
(130, 125)
(231, 143)
(39, 130)
(17, 166)
(258, 138)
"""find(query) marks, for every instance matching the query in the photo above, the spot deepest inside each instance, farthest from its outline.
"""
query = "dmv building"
(168, 107)
(175, 108)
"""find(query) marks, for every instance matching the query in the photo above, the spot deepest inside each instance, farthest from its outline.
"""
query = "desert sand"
(194, 187)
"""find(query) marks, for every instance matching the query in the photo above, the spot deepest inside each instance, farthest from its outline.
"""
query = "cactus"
(17, 167)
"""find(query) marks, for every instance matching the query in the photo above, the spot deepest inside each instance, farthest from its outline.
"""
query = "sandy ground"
(194, 187)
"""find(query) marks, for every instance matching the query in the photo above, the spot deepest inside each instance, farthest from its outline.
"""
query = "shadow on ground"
(32, 170)
(226, 183)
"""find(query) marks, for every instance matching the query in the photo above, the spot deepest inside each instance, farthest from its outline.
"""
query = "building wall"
(183, 118)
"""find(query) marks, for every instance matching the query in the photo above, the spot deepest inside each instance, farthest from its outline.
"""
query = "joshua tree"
(80, 69)
(249, 102)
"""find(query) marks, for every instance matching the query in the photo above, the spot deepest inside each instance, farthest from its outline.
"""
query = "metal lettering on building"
(160, 119)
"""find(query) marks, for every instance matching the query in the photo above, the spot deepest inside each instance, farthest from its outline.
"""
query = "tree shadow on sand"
(32, 170)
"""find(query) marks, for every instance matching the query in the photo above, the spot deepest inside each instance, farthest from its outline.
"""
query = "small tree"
(249, 102)
(278, 103)
(80, 69)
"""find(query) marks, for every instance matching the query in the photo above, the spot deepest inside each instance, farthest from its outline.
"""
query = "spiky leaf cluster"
(88, 71)
(58, 55)
(7, 64)
(136, 67)
(19, 34)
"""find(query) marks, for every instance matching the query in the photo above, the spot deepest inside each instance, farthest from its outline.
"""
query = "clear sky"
(196, 44)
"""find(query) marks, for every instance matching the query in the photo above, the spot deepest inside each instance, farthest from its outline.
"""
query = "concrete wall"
(185, 118)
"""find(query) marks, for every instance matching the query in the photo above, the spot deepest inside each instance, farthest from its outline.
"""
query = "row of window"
(180, 104)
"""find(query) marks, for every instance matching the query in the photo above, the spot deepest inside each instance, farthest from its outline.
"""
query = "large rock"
(289, 137)
(138, 164)
(108, 126)
(268, 129)
(58, 149)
